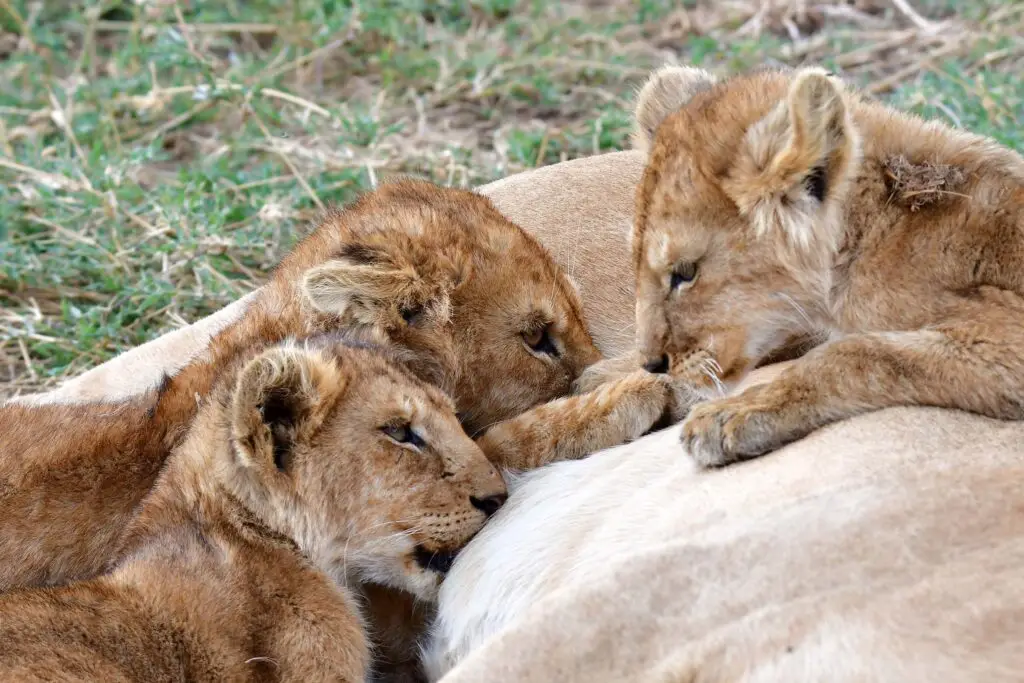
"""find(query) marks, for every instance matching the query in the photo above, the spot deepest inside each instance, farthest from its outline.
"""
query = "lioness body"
(307, 469)
(779, 203)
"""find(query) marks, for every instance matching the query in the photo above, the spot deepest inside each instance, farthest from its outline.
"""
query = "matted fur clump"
(921, 184)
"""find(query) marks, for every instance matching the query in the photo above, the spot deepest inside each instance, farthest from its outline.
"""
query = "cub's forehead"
(681, 206)
(395, 389)
(681, 202)
(669, 242)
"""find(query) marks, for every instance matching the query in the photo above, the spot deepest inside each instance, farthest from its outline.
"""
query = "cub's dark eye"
(403, 433)
(410, 314)
(539, 340)
(684, 273)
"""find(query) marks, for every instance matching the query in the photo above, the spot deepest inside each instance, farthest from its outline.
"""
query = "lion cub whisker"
(230, 563)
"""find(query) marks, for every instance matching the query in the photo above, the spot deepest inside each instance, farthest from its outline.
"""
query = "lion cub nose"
(657, 366)
(490, 504)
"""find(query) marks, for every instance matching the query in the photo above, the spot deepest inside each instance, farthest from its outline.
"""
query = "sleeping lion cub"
(466, 299)
(309, 467)
(781, 202)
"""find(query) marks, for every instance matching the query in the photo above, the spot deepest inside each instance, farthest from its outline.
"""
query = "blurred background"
(158, 157)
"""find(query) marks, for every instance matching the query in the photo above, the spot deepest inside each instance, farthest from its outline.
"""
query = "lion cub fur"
(465, 298)
(308, 467)
(780, 203)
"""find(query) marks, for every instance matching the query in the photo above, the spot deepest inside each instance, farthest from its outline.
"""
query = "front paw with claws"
(724, 431)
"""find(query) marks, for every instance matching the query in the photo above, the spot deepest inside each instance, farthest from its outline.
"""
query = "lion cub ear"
(281, 399)
(367, 285)
(795, 164)
(665, 91)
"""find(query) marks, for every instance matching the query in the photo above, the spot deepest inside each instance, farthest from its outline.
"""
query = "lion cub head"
(739, 215)
(364, 466)
(478, 305)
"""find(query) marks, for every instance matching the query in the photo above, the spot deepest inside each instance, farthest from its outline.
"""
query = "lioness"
(307, 467)
(467, 300)
(779, 203)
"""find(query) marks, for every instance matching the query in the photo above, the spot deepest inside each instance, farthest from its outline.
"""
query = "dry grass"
(159, 157)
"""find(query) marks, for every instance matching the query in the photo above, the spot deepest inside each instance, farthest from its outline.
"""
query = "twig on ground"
(23, 27)
(904, 8)
(124, 26)
(285, 158)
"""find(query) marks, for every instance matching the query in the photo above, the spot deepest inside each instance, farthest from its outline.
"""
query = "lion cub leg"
(974, 363)
(569, 428)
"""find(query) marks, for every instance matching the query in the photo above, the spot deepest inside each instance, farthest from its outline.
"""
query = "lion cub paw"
(724, 431)
(644, 402)
(606, 371)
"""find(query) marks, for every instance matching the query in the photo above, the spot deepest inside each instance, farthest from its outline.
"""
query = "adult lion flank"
(309, 468)
(783, 203)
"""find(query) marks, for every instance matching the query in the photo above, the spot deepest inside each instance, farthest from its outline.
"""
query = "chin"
(426, 570)
(424, 584)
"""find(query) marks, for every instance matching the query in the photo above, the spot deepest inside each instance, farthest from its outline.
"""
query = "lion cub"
(465, 298)
(778, 203)
(312, 466)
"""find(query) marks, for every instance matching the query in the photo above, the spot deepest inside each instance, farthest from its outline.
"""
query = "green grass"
(157, 159)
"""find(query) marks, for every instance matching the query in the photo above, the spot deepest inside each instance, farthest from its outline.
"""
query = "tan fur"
(664, 91)
(567, 429)
(472, 283)
(582, 212)
(807, 209)
(285, 489)
(480, 282)
(684, 549)
(883, 548)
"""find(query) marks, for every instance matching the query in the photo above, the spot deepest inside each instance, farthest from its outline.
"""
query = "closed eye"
(404, 434)
(539, 341)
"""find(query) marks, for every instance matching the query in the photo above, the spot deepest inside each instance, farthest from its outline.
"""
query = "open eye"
(539, 340)
(410, 314)
(403, 433)
(683, 274)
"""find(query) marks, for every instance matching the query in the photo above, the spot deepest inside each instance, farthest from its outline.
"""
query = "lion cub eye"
(539, 340)
(403, 433)
(683, 274)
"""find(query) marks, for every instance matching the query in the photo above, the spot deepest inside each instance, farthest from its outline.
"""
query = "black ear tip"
(361, 254)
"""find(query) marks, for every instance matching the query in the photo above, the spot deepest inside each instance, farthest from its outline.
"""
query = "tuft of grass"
(158, 158)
